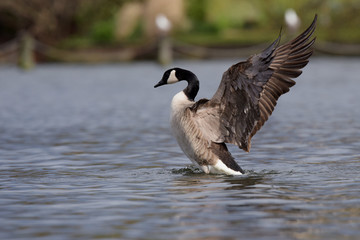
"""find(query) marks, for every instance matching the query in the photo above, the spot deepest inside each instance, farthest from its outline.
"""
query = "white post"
(165, 55)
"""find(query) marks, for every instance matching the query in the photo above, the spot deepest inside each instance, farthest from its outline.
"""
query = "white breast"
(179, 103)
(178, 124)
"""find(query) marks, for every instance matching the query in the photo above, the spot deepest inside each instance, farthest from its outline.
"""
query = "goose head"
(169, 77)
(174, 75)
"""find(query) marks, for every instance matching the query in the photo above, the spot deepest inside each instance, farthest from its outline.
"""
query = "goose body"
(194, 144)
(244, 100)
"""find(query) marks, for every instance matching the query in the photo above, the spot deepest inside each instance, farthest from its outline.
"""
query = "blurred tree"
(93, 22)
(45, 19)
(53, 20)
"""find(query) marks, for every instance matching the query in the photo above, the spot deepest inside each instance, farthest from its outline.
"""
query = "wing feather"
(288, 61)
(249, 91)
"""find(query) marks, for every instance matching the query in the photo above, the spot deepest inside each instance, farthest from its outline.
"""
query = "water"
(86, 153)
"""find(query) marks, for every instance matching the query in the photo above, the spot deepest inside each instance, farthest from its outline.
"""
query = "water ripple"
(86, 153)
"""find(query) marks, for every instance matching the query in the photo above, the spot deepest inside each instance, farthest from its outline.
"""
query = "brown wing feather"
(249, 90)
(288, 60)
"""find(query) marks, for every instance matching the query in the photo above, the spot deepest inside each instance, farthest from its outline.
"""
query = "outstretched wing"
(249, 90)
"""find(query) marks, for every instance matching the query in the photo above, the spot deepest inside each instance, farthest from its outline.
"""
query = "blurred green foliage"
(96, 19)
(86, 23)
(247, 22)
(102, 32)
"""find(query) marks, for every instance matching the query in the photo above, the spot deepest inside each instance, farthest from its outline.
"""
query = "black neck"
(193, 86)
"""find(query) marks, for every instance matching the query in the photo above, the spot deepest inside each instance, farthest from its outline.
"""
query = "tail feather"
(220, 150)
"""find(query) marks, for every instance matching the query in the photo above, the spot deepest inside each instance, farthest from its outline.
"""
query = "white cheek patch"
(172, 78)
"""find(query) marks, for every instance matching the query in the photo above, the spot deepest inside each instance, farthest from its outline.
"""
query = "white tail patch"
(219, 168)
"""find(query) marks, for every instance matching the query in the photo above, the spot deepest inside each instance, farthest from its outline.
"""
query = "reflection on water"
(86, 152)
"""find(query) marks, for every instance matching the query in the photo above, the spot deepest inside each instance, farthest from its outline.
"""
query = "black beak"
(159, 84)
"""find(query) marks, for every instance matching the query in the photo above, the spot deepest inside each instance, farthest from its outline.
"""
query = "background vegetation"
(93, 23)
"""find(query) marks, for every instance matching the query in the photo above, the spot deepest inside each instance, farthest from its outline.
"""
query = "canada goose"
(241, 105)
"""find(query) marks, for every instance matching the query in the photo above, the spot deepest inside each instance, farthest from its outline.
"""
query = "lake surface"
(86, 152)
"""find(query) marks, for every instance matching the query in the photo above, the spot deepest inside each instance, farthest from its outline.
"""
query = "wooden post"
(165, 50)
(164, 41)
(26, 51)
